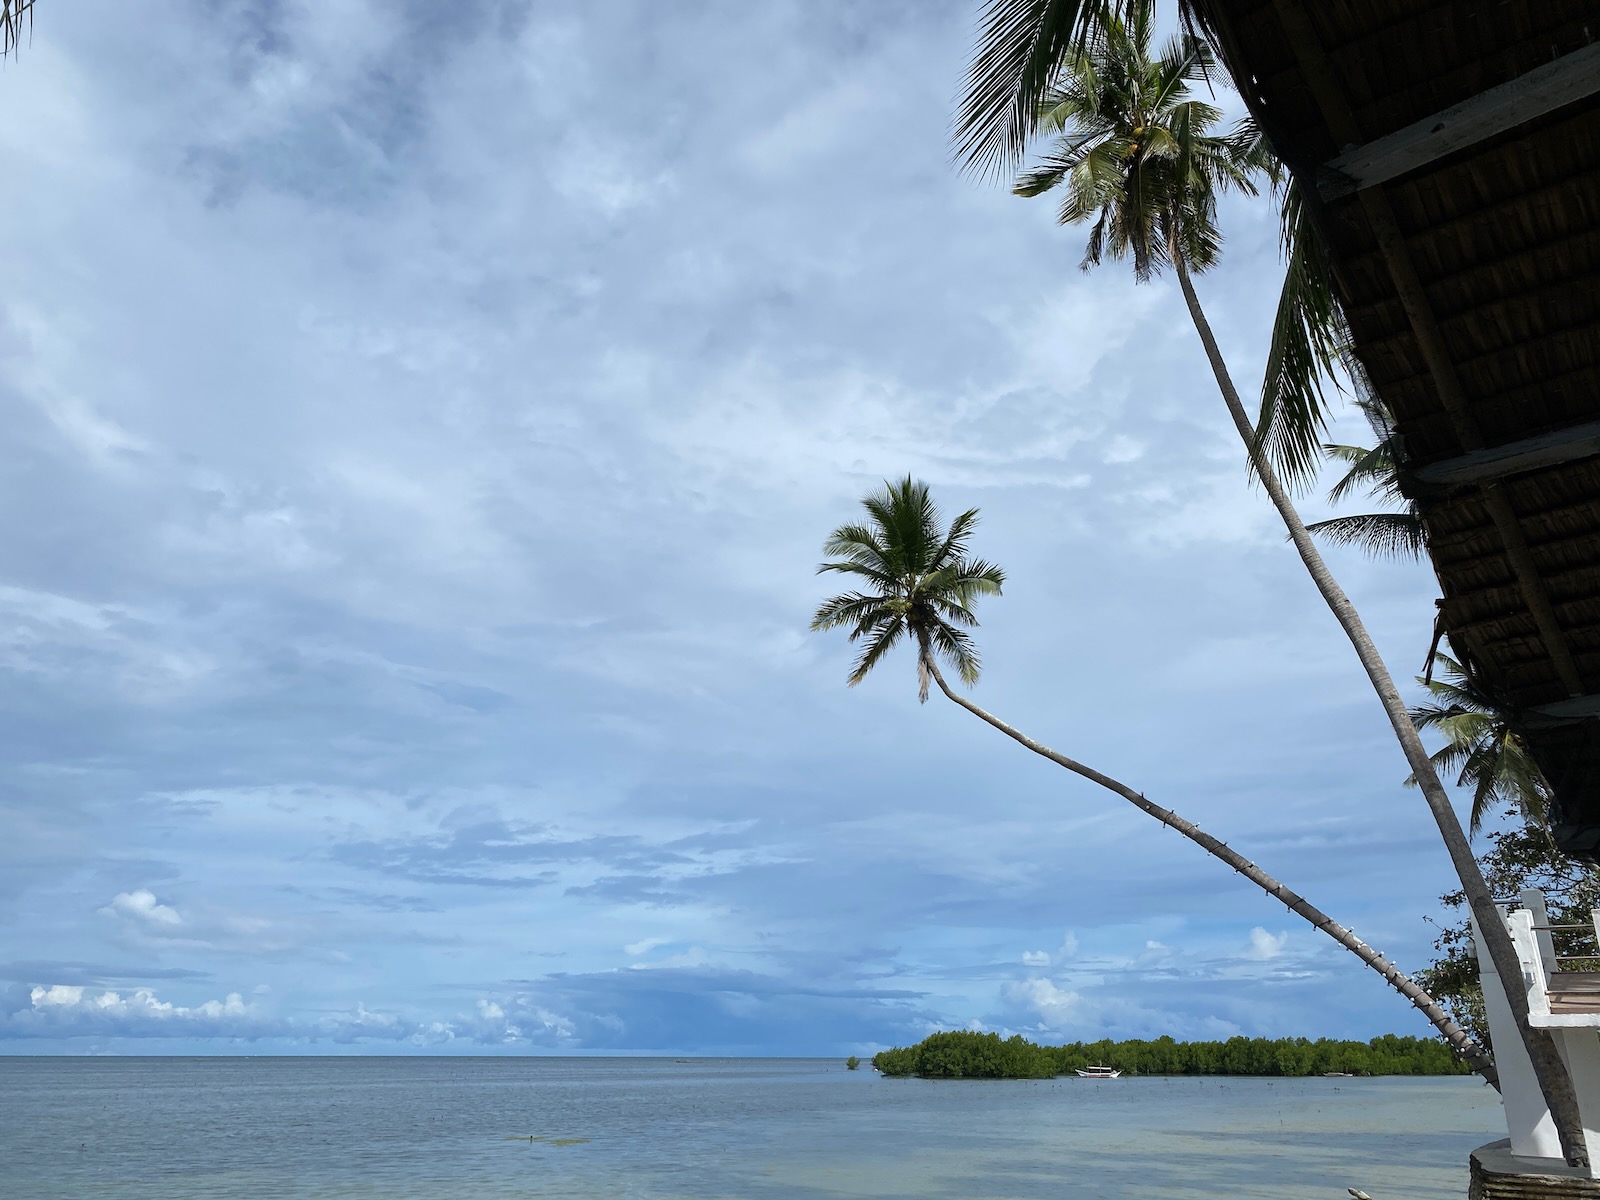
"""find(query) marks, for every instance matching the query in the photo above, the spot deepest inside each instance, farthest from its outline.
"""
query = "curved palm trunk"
(1554, 1081)
(1458, 1038)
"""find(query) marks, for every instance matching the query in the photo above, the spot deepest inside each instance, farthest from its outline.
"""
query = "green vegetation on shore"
(961, 1054)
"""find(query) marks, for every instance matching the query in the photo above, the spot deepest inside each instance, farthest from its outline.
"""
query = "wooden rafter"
(1569, 78)
(1513, 458)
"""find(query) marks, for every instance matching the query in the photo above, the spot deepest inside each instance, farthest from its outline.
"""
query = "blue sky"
(423, 421)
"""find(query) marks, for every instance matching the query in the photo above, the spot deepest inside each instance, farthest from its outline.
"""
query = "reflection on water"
(659, 1129)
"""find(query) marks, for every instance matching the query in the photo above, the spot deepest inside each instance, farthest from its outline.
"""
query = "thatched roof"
(1455, 150)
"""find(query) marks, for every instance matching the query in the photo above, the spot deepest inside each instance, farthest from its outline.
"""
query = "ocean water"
(776, 1129)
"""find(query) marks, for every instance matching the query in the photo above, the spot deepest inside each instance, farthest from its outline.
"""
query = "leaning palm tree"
(1148, 174)
(1480, 746)
(917, 583)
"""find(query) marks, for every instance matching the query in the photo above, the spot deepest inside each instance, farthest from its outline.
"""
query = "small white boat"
(1098, 1072)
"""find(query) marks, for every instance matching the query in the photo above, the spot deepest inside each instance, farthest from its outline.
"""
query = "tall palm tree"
(1034, 58)
(1480, 746)
(917, 583)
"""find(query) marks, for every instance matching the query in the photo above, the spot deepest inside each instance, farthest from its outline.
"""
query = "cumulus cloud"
(1155, 951)
(1065, 952)
(1264, 946)
(142, 908)
(66, 1010)
(1057, 1006)
(519, 1020)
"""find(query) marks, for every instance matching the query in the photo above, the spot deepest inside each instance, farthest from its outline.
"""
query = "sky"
(422, 424)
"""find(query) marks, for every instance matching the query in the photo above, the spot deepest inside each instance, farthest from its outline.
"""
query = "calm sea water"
(760, 1128)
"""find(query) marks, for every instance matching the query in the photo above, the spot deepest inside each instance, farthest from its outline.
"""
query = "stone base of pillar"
(1497, 1174)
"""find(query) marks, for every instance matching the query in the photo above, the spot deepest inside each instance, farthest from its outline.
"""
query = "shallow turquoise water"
(767, 1128)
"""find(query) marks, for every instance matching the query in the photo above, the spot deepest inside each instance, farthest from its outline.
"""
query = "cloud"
(1042, 958)
(1264, 945)
(142, 908)
(63, 1010)
(65, 1014)
(1058, 1006)
(645, 945)
(1155, 951)
(92, 974)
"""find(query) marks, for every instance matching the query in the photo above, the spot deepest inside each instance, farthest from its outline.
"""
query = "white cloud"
(142, 907)
(131, 1012)
(1058, 1006)
(1264, 945)
(517, 1019)
(1065, 952)
(1155, 951)
(644, 946)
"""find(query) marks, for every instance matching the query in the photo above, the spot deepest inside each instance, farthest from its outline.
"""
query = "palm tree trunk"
(1554, 1081)
(1457, 1038)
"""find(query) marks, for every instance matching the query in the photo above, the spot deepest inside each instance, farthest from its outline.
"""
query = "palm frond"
(852, 608)
(1371, 467)
(1397, 535)
(885, 635)
(953, 547)
(1021, 46)
(12, 13)
(1307, 336)
(1073, 104)
(958, 649)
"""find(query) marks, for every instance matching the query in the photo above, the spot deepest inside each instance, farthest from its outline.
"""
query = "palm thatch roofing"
(1453, 151)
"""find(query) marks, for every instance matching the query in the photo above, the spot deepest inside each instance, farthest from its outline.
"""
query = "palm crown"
(1490, 759)
(917, 582)
(1135, 153)
(1138, 154)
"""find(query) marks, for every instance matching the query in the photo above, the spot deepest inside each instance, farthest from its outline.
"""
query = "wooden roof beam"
(1513, 458)
(1544, 89)
(1563, 712)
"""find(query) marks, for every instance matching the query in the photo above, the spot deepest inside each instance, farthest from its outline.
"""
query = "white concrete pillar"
(1528, 1120)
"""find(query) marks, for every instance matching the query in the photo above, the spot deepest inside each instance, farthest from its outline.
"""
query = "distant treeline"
(965, 1055)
